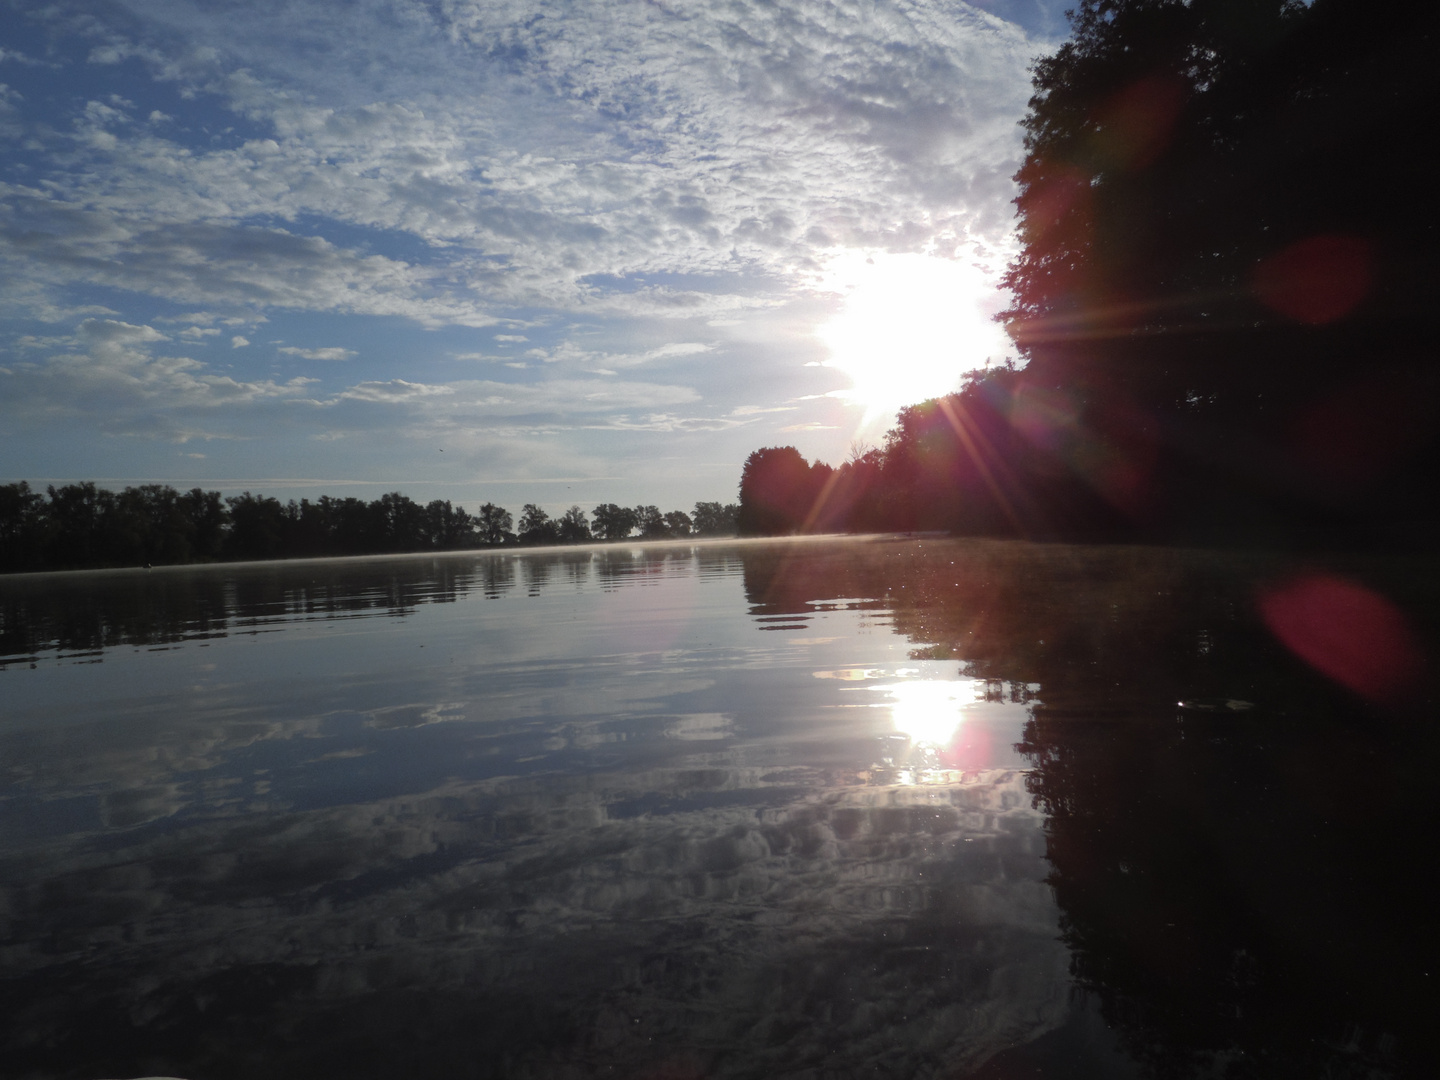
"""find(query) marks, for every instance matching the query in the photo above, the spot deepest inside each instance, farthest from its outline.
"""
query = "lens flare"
(1348, 633)
(1318, 280)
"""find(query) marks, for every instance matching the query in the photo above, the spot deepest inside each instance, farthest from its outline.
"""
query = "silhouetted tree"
(22, 527)
(536, 526)
(572, 526)
(82, 525)
(151, 524)
(1227, 244)
(650, 522)
(778, 492)
(716, 519)
(399, 522)
(78, 516)
(494, 524)
(205, 514)
(446, 528)
(678, 524)
(257, 526)
(612, 522)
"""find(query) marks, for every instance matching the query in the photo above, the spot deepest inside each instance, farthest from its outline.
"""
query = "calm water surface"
(810, 809)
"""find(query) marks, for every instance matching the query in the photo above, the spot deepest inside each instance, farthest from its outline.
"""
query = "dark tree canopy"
(613, 522)
(1227, 226)
(715, 519)
(778, 491)
(1228, 240)
(81, 525)
(573, 527)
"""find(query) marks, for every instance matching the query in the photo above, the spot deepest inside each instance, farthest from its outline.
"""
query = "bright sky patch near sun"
(911, 325)
(524, 251)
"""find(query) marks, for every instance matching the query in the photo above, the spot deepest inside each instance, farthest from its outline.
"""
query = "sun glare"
(929, 712)
(910, 327)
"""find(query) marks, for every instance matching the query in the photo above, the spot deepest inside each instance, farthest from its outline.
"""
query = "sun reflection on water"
(930, 712)
(942, 729)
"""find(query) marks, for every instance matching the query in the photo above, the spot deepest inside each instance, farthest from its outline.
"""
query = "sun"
(910, 327)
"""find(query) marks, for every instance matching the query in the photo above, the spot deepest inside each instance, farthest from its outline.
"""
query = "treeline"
(81, 525)
(963, 463)
(1223, 297)
(1008, 456)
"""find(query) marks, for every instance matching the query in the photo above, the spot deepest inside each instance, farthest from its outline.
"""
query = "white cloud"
(206, 318)
(561, 399)
(666, 422)
(111, 337)
(394, 390)
(607, 139)
(330, 353)
(115, 379)
(59, 243)
(667, 182)
(755, 410)
(14, 56)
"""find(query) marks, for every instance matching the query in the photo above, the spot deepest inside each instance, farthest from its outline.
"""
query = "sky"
(549, 251)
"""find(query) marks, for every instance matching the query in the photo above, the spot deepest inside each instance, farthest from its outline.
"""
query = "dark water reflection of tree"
(1245, 889)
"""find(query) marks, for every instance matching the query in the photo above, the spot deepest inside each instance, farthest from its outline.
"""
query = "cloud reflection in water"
(600, 808)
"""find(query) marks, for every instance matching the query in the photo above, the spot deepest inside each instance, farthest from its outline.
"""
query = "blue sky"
(515, 250)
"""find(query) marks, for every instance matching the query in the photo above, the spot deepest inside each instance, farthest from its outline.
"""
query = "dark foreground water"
(814, 809)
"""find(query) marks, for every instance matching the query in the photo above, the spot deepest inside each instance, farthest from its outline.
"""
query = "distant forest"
(81, 525)
(1224, 299)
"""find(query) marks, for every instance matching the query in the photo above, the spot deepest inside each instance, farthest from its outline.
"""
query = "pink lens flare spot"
(1347, 632)
(972, 748)
(1318, 280)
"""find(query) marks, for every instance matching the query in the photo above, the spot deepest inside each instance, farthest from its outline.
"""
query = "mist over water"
(903, 808)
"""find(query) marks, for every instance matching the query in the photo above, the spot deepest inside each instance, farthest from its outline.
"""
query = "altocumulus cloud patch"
(617, 186)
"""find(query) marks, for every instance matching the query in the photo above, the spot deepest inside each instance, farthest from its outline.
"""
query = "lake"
(811, 808)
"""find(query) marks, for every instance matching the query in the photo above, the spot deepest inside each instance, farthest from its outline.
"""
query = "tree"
(678, 524)
(1226, 230)
(715, 519)
(778, 492)
(493, 524)
(152, 524)
(612, 522)
(22, 526)
(257, 524)
(205, 513)
(445, 527)
(536, 526)
(400, 522)
(650, 522)
(572, 526)
(77, 516)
